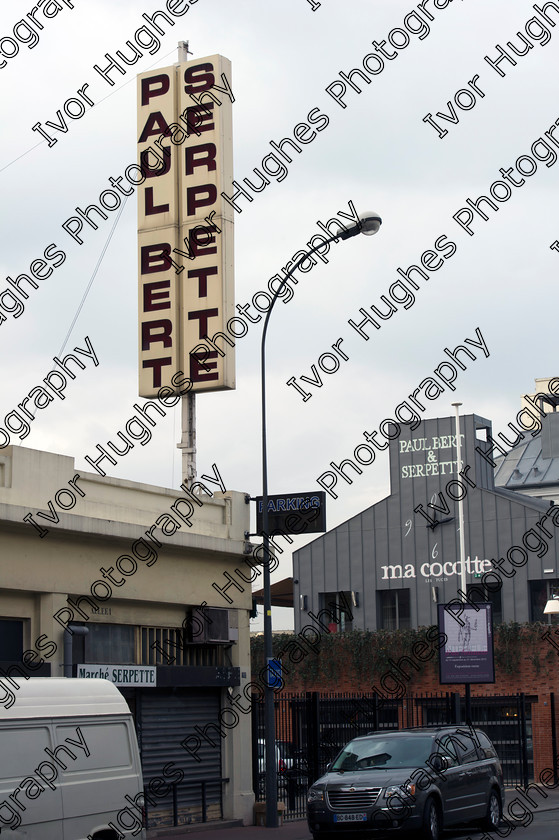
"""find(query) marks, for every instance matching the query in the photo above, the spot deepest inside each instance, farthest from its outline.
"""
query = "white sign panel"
(185, 227)
(439, 452)
(138, 676)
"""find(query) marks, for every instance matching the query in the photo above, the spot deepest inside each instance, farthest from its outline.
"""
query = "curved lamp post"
(369, 223)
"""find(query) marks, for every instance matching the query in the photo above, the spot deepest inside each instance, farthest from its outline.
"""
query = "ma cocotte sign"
(185, 227)
(437, 570)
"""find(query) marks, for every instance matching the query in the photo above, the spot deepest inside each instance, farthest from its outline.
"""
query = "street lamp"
(369, 223)
(463, 584)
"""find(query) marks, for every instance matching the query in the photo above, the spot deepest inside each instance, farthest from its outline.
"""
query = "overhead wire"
(91, 279)
(93, 276)
(40, 143)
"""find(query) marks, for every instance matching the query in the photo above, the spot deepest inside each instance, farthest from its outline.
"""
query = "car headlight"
(402, 792)
(315, 795)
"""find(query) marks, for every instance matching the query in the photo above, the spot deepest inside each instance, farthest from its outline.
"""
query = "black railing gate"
(311, 729)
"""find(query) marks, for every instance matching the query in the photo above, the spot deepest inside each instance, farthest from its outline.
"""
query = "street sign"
(293, 513)
(273, 671)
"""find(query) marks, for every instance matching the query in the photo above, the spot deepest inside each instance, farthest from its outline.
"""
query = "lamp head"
(370, 222)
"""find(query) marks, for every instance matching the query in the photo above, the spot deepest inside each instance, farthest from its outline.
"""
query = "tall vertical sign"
(185, 227)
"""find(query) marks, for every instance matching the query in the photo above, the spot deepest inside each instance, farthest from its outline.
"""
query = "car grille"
(351, 800)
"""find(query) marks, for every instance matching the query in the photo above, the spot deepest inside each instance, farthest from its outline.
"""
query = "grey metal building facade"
(393, 562)
(532, 465)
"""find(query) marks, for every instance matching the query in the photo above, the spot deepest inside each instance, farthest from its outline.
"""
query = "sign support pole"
(188, 403)
(188, 438)
(183, 51)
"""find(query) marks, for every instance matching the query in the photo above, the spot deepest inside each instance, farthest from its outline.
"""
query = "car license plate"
(350, 817)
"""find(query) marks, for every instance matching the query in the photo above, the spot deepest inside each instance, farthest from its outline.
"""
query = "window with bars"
(110, 644)
(170, 646)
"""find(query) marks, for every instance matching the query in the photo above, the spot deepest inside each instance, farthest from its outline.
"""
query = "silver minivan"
(409, 780)
(69, 762)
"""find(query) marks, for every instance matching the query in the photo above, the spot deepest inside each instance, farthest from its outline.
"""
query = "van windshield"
(379, 752)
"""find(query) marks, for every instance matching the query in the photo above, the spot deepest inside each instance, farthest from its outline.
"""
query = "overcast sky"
(376, 152)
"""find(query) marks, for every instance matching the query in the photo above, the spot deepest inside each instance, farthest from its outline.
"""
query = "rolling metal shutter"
(165, 717)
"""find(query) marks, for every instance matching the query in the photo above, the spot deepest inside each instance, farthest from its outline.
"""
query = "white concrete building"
(143, 570)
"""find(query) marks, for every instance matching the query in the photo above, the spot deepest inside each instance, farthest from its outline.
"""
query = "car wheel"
(431, 821)
(493, 815)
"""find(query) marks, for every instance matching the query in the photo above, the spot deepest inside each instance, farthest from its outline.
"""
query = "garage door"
(165, 717)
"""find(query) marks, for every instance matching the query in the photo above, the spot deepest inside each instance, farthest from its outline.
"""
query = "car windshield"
(379, 752)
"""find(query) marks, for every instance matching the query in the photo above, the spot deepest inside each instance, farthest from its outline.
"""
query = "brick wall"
(525, 661)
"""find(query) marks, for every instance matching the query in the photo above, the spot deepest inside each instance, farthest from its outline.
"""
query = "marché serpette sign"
(136, 675)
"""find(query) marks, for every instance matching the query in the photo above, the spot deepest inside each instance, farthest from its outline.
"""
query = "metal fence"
(312, 728)
(203, 799)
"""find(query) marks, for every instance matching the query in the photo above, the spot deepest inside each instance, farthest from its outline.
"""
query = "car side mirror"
(439, 763)
(329, 766)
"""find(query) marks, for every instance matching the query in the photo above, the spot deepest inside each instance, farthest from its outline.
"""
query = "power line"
(95, 270)
(91, 279)
(40, 143)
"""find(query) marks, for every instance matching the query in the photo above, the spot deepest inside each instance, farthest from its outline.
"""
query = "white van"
(69, 763)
